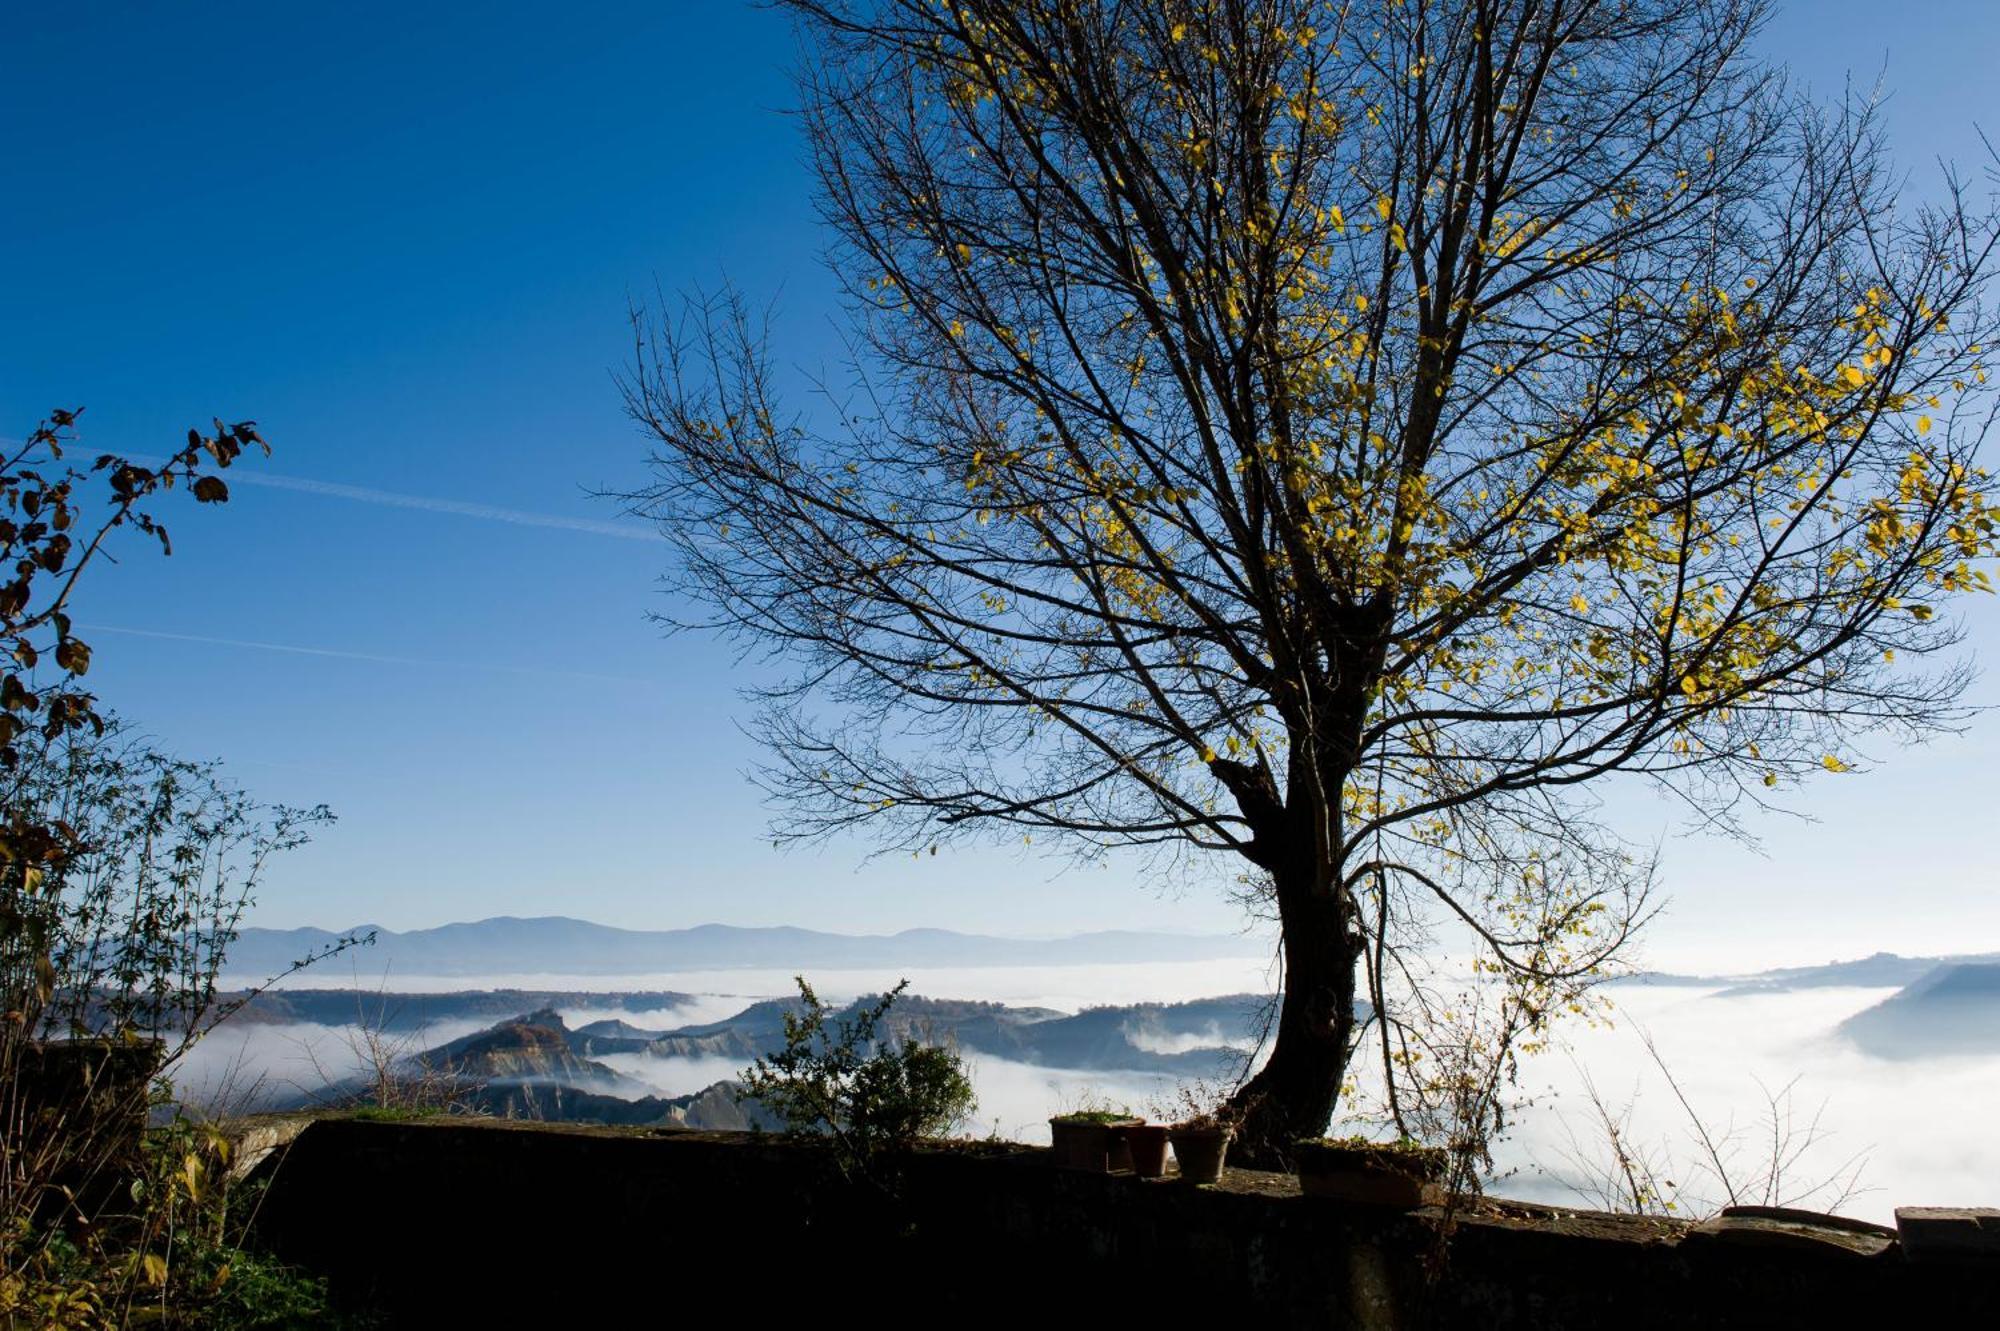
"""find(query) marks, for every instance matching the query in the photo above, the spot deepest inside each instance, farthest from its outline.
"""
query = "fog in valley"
(1917, 1131)
(1859, 1133)
(1065, 988)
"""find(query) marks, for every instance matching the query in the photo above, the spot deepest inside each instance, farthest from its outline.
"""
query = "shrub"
(1098, 1116)
(110, 958)
(179, 1258)
(1402, 1156)
(123, 876)
(838, 1077)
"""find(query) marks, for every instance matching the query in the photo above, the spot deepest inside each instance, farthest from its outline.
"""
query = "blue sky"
(403, 238)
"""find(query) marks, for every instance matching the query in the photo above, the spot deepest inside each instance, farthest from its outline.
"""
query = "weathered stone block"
(1803, 1231)
(1951, 1233)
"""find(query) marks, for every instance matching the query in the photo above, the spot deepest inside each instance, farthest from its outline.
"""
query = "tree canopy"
(1333, 435)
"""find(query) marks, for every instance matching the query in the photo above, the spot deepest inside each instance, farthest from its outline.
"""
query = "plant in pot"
(1399, 1174)
(1200, 1142)
(1092, 1140)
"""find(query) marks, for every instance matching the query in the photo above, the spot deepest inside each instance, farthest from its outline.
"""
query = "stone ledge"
(461, 1222)
(1787, 1228)
(1949, 1233)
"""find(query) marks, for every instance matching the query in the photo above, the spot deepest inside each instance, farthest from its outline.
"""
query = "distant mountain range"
(1955, 1009)
(534, 1065)
(531, 1063)
(525, 1068)
(1882, 970)
(1199, 1038)
(1942, 1005)
(557, 945)
(405, 1013)
(1203, 1038)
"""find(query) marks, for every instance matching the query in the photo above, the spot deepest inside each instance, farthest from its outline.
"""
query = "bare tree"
(1332, 435)
(375, 1068)
(1777, 1160)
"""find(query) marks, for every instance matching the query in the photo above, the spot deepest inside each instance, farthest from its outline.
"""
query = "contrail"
(627, 531)
(361, 656)
(491, 513)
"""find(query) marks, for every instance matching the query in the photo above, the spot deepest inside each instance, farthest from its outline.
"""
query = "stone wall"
(456, 1222)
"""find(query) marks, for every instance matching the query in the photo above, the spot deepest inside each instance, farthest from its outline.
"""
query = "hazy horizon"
(1724, 1052)
(1733, 958)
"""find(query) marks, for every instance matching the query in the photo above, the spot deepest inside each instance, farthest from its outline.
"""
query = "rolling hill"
(557, 945)
(1955, 1009)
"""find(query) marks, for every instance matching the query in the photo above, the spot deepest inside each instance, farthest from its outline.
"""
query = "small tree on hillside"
(1331, 436)
(839, 1076)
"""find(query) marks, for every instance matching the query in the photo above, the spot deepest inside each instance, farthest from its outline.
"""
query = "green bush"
(837, 1077)
(109, 962)
(179, 1258)
(1098, 1116)
(1402, 1156)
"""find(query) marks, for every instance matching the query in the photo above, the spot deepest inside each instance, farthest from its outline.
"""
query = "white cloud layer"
(1920, 1130)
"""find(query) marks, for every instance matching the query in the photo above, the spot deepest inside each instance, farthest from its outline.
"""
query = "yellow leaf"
(1770, 778)
(1832, 764)
(1578, 604)
(1383, 207)
(155, 1267)
(1923, 425)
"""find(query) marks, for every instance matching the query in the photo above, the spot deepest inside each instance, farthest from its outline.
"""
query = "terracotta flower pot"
(1089, 1142)
(1397, 1178)
(1147, 1143)
(1118, 1149)
(1200, 1151)
(1081, 1144)
(1078, 1145)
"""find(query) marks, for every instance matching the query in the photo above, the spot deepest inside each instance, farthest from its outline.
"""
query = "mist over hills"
(524, 1067)
(542, 1052)
(1942, 1007)
(507, 945)
(1201, 1038)
(404, 1013)
(532, 1040)
(1880, 970)
(1954, 1009)
(534, 1065)
(587, 1055)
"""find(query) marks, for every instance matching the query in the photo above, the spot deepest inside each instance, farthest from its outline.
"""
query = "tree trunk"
(1293, 1096)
